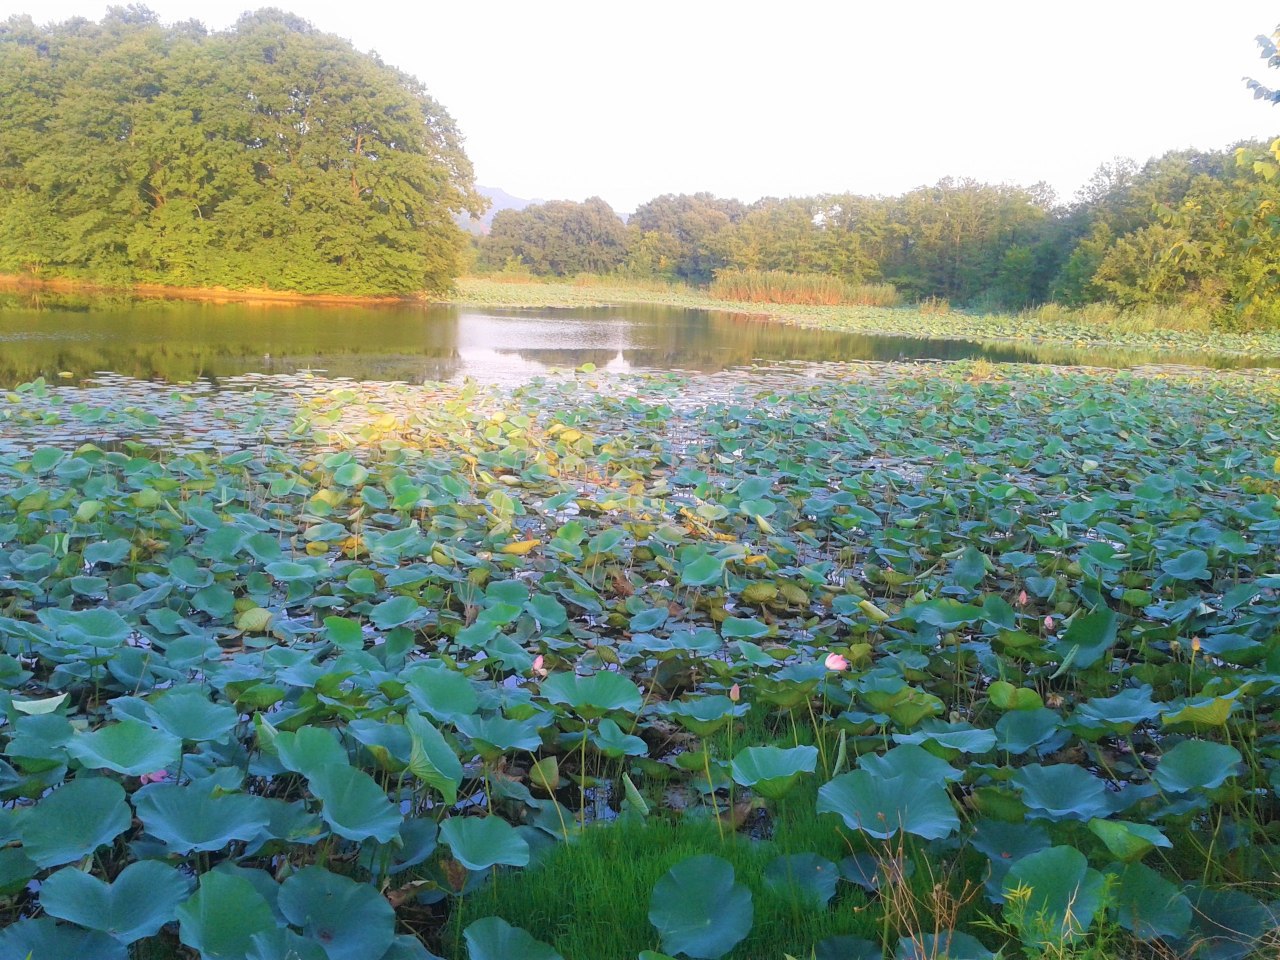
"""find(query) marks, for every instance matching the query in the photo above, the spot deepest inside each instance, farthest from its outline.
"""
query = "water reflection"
(182, 340)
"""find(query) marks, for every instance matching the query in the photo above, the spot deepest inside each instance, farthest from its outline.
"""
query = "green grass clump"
(590, 898)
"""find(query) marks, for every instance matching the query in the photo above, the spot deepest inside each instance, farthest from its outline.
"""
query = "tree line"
(1193, 229)
(267, 155)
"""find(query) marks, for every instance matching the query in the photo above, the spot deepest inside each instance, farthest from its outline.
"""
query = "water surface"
(174, 340)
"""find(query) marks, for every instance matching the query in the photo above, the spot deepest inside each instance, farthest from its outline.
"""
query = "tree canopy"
(268, 155)
(1194, 229)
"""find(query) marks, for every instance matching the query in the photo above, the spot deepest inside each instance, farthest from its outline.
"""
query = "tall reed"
(811, 289)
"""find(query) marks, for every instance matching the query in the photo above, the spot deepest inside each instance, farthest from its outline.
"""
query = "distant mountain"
(499, 199)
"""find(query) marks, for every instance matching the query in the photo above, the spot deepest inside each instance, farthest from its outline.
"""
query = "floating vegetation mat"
(947, 660)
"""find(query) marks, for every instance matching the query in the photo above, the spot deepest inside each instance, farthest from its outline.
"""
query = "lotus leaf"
(1052, 896)
(479, 843)
(773, 771)
(492, 938)
(699, 910)
(349, 920)
(74, 821)
(880, 807)
(141, 899)
(1195, 765)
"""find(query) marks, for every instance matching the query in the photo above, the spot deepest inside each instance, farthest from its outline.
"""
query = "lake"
(43, 335)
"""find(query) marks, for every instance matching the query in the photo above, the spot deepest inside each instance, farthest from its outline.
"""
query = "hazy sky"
(629, 100)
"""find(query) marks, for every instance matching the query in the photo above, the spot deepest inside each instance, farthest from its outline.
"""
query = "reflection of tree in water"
(185, 340)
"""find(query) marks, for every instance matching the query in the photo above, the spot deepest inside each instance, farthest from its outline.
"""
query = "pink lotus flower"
(735, 693)
(538, 668)
(1022, 598)
(158, 776)
(1048, 624)
(836, 662)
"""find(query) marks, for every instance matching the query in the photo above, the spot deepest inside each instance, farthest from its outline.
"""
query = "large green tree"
(268, 155)
(561, 238)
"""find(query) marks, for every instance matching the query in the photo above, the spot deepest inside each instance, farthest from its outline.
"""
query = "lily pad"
(698, 909)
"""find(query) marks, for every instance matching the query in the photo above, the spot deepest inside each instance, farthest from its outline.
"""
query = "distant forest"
(271, 155)
(268, 155)
(1191, 229)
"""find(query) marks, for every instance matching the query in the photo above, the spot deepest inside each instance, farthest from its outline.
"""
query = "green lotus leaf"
(307, 749)
(74, 821)
(1201, 711)
(595, 695)
(1121, 713)
(1051, 897)
(909, 760)
(1128, 841)
(1062, 791)
(1192, 565)
(1088, 639)
(737, 628)
(86, 628)
(479, 843)
(46, 939)
(805, 878)
(442, 694)
(1148, 905)
(220, 921)
(344, 632)
(188, 714)
(609, 739)
(881, 808)
(702, 571)
(492, 938)
(143, 898)
(698, 909)
(189, 819)
(127, 747)
(949, 741)
(1021, 730)
(1195, 765)
(704, 715)
(941, 946)
(773, 771)
(847, 948)
(431, 759)
(396, 612)
(281, 943)
(352, 803)
(350, 920)
(287, 571)
(1226, 924)
(494, 736)
(16, 871)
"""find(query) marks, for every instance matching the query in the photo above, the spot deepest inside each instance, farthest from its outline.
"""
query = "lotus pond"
(905, 662)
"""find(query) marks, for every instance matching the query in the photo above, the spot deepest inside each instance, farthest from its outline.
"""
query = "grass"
(590, 898)
(1146, 319)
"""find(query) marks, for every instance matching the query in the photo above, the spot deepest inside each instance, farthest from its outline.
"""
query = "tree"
(562, 238)
(268, 155)
(683, 229)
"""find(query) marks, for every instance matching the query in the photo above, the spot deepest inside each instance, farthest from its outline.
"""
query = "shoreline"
(898, 321)
(21, 283)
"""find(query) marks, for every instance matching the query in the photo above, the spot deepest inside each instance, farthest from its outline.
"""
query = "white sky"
(561, 99)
